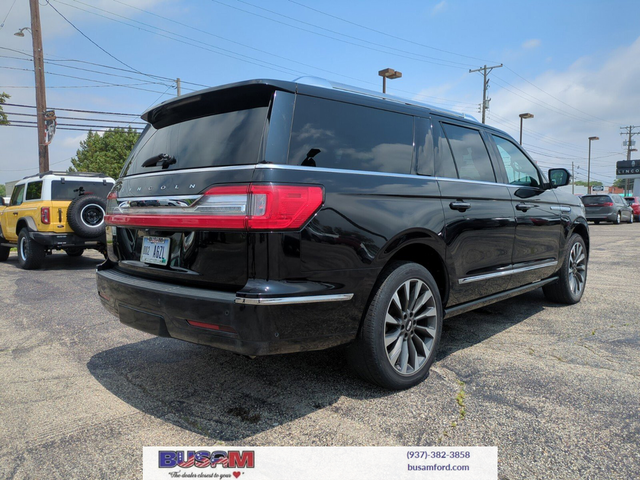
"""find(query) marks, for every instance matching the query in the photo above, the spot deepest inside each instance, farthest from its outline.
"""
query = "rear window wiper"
(162, 158)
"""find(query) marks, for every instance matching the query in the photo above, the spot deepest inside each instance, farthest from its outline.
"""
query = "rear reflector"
(229, 207)
(212, 326)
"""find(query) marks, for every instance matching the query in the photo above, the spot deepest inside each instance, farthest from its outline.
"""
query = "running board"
(466, 307)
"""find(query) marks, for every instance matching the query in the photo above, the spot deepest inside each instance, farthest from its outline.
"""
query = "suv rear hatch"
(179, 211)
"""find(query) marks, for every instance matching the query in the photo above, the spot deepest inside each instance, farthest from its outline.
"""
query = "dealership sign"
(628, 168)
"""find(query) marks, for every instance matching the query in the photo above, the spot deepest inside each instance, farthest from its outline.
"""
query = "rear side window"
(470, 153)
(34, 191)
(333, 134)
(70, 189)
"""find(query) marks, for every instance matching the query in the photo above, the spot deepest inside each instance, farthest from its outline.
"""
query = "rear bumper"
(603, 217)
(248, 326)
(62, 240)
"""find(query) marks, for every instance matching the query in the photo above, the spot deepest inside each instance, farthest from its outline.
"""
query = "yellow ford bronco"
(54, 211)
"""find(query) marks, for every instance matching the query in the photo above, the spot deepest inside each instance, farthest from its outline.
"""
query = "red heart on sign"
(236, 474)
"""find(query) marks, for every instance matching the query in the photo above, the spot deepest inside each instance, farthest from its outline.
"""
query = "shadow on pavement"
(229, 397)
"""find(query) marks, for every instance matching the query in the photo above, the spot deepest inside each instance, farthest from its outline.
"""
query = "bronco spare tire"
(86, 216)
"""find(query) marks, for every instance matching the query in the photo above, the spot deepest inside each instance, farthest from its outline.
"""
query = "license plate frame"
(155, 250)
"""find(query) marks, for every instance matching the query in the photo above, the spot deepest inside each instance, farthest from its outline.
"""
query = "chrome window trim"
(514, 271)
(190, 170)
(294, 300)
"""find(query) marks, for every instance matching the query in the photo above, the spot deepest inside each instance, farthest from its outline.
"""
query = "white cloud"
(438, 8)
(594, 96)
(531, 44)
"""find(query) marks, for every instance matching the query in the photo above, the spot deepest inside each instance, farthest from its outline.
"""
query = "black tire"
(618, 219)
(631, 218)
(4, 253)
(597, 222)
(86, 216)
(74, 251)
(573, 274)
(30, 253)
(410, 341)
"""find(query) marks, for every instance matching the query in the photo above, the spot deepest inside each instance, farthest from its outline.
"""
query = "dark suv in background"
(268, 217)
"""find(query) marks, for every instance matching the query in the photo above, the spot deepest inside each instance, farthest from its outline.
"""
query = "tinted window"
(469, 153)
(34, 190)
(17, 195)
(596, 199)
(339, 135)
(520, 170)
(71, 189)
(230, 138)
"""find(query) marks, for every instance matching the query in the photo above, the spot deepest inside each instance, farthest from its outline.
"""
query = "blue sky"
(573, 64)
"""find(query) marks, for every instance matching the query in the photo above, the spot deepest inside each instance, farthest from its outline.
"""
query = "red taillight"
(230, 207)
(112, 196)
(607, 204)
(45, 217)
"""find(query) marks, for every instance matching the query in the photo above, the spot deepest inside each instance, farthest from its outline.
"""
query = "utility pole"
(573, 180)
(178, 86)
(41, 97)
(485, 71)
(629, 131)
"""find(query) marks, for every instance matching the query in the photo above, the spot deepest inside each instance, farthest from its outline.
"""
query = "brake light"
(45, 216)
(607, 204)
(232, 207)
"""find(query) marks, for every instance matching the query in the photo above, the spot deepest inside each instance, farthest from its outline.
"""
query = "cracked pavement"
(554, 387)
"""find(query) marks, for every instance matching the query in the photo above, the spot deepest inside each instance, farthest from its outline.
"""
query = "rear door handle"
(523, 207)
(460, 206)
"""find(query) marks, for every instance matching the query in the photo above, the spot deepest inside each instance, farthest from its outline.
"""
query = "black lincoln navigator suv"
(268, 217)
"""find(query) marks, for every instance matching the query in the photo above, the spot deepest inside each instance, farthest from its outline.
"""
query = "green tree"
(3, 116)
(582, 183)
(104, 153)
(620, 183)
(3, 190)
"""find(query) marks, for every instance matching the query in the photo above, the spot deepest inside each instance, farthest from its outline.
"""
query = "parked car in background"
(607, 208)
(54, 211)
(634, 203)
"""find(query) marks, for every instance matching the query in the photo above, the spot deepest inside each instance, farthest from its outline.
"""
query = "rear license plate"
(155, 250)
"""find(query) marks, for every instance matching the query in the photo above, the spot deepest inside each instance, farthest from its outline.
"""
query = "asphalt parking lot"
(554, 387)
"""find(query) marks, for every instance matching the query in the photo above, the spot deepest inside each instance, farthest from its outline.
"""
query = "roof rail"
(323, 83)
(69, 174)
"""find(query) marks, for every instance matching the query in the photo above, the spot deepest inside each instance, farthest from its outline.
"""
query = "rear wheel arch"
(28, 223)
(583, 231)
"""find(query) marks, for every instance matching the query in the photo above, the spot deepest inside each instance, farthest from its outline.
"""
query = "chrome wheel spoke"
(410, 326)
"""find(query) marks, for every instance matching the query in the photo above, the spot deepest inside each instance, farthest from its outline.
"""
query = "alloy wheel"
(410, 326)
(577, 268)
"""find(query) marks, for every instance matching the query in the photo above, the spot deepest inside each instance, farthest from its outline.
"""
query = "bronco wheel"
(30, 253)
(401, 331)
(573, 274)
(86, 216)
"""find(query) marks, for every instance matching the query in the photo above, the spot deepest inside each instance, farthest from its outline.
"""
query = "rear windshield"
(630, 200)
(221, 137)
(70, 189)
(596, 200)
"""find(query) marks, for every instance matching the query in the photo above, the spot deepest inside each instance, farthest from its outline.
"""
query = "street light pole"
(522, 117)
(589, 165)
(389, 73)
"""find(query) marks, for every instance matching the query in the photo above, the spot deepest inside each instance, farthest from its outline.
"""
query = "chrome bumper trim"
(294, 300)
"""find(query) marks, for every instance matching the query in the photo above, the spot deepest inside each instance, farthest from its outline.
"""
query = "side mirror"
(559, 177)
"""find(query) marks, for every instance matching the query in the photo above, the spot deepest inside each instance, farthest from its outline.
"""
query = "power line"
(85, 36)
(76, 110)
(77, 118)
